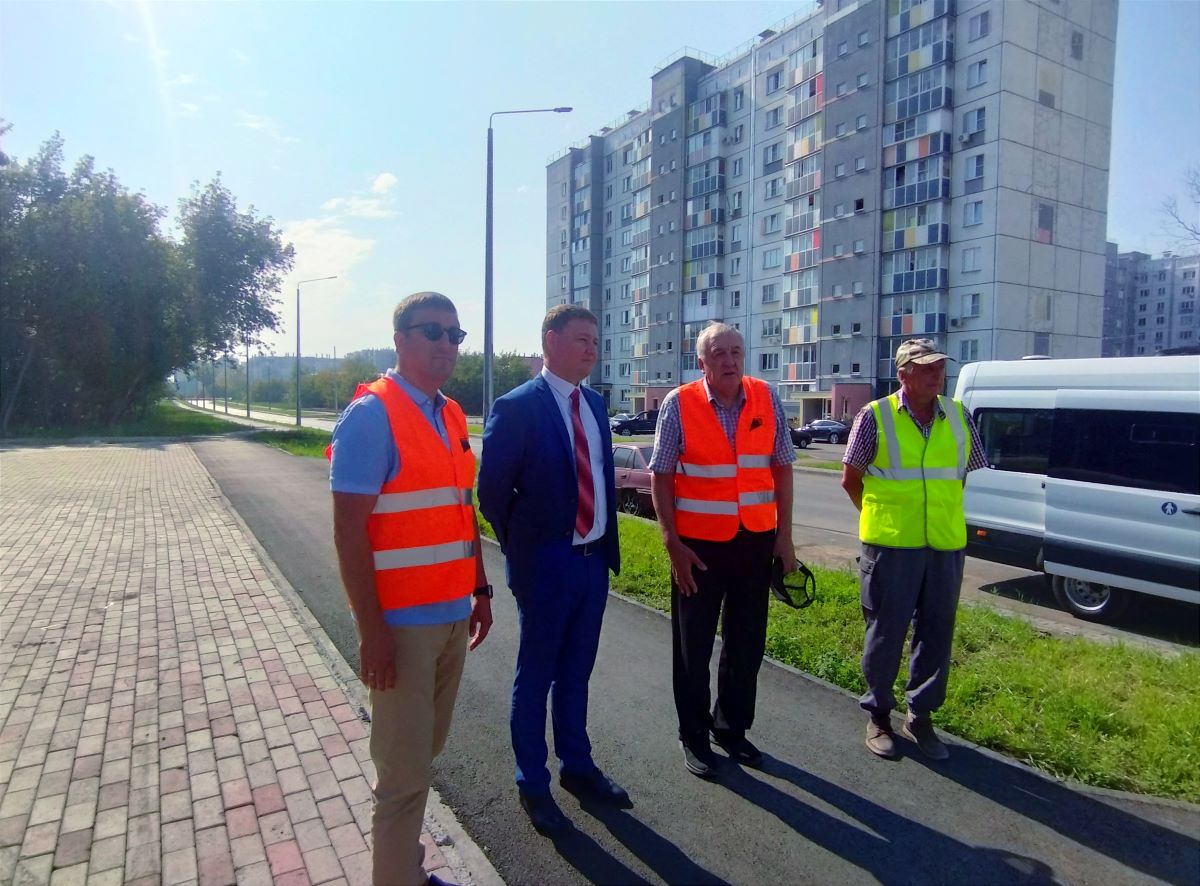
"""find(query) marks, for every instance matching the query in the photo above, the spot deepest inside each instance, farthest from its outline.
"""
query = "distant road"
(259, 417)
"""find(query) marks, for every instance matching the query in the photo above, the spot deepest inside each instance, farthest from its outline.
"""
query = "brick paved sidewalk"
(166, 716)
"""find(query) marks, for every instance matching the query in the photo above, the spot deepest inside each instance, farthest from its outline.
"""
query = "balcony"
(704, 281)
(702, 218)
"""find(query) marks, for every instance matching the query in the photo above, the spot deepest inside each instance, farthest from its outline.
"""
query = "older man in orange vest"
(408, 546)
(722, 487)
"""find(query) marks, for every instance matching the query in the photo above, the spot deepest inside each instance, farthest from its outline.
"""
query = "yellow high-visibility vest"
(913, 490)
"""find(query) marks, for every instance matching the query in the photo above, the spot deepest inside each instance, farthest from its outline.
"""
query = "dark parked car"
(618, 418)
(631, 462)
(642, 423)
(827, 429)
(800, 437)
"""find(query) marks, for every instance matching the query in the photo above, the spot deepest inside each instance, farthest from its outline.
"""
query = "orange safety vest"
(422, 530)
(718, 487)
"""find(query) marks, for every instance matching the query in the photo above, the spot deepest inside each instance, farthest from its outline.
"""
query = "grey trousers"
(899, 586)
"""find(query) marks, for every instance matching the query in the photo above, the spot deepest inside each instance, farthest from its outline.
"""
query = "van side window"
(1143, 450)
(1016, 439)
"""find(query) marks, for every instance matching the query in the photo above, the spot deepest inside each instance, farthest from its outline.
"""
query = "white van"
(1093, 475)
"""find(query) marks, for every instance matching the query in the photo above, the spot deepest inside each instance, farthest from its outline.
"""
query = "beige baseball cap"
(919, 350)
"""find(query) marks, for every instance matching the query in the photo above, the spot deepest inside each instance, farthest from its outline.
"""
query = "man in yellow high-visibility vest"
(905, 465)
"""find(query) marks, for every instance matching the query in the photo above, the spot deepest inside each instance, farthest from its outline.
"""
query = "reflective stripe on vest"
(912, 490)
(422, 529)
(395, 502)
(718, 487)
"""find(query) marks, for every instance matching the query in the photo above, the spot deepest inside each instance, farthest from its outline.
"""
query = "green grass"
(308, 442)
(163, 419)
(823, 464)
(1105, 715)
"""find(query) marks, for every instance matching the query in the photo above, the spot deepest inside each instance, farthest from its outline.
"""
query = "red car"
(632, 464)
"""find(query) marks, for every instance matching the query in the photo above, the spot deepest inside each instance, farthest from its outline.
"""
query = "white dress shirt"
(562, 396)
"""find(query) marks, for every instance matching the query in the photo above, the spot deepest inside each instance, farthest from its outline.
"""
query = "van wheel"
(1088, 600)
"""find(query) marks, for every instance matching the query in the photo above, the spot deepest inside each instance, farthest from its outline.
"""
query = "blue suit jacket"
(527, 485)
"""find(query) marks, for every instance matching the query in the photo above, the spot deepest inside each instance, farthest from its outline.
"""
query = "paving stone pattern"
(165, 716)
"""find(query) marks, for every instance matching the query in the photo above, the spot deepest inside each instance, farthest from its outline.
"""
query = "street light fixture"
(310, 280)
(488, 381)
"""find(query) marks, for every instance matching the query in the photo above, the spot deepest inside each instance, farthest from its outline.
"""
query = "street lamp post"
(310, 280)
(488, 381)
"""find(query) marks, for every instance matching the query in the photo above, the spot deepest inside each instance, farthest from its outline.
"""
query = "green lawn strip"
(163, 419)
(309, 442)
(1105, 715)
(807, 462)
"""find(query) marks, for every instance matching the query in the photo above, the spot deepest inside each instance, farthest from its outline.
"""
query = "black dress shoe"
(699, 758)
(738, 747)
(544, 814)
(596, 786)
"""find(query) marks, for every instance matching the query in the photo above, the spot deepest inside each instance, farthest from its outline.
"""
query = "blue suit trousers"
(560, 618)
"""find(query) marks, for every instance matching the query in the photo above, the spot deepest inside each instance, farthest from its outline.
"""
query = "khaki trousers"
(409, 725)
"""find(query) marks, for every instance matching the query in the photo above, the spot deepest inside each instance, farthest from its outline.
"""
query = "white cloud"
(383, 183)
(186, 109)
(266, 125)
(359, 207)
(324, 247)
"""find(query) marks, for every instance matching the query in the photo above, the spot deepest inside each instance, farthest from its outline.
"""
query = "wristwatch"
(483, 591)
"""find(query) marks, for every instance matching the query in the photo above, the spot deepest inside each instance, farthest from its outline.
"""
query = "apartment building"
(861, 173)
(1149, 303)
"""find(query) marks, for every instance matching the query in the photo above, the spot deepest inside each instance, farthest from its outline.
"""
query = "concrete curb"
(468, 862)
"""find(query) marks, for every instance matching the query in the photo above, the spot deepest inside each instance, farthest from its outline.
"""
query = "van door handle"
(1192, 511)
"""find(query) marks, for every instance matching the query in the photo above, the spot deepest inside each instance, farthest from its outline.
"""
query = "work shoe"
(879, 737)
(544, 814)
(699, 758)
(920, 730)
(738, 747)
(596, 786)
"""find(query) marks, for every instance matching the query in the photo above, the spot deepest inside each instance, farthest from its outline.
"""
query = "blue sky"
(361, 127)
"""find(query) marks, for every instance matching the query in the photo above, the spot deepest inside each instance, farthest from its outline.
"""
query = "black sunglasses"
(434, 332)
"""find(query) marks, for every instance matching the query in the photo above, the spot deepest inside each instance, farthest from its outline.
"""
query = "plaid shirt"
(668, 436)
(864, 440)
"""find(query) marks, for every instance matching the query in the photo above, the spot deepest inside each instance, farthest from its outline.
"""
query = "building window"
(835, 369)
(735, 265)
(980, 25)
(856, 329)
(860, 246)
(774, 81)
(1046, 98)
(860, 163)
(974, 121)
(858, 204)
(772, 326)
(970, 258)
(1041, 343)
(841, 89)
(862, 81)
(861, 122)
(839, 170)
(774, 188)
(772, 153)
(735, 298)
(772, 258)
(972, 213)
(838, 250)
(975, 167)
(1045, 224)
(739, 98)
(836, 329)
(737, 167)
(839, 130)
(843, 48)
(773, 223)
(774, 117)
(968, 350)
(1077, 45)
(977, 73)
(857, 287)
(738, 132)
(863, 38)
(970, 304)
(768, 362)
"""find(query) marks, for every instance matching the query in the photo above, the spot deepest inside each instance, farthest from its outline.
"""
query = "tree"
(1184, 223)
(98, 307)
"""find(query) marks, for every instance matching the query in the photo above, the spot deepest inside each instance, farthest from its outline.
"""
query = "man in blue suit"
(546, 486)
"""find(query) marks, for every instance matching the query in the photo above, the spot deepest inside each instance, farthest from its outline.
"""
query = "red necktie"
(586, 512)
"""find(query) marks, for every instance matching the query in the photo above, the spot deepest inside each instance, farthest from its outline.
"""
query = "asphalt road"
(823, 811)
